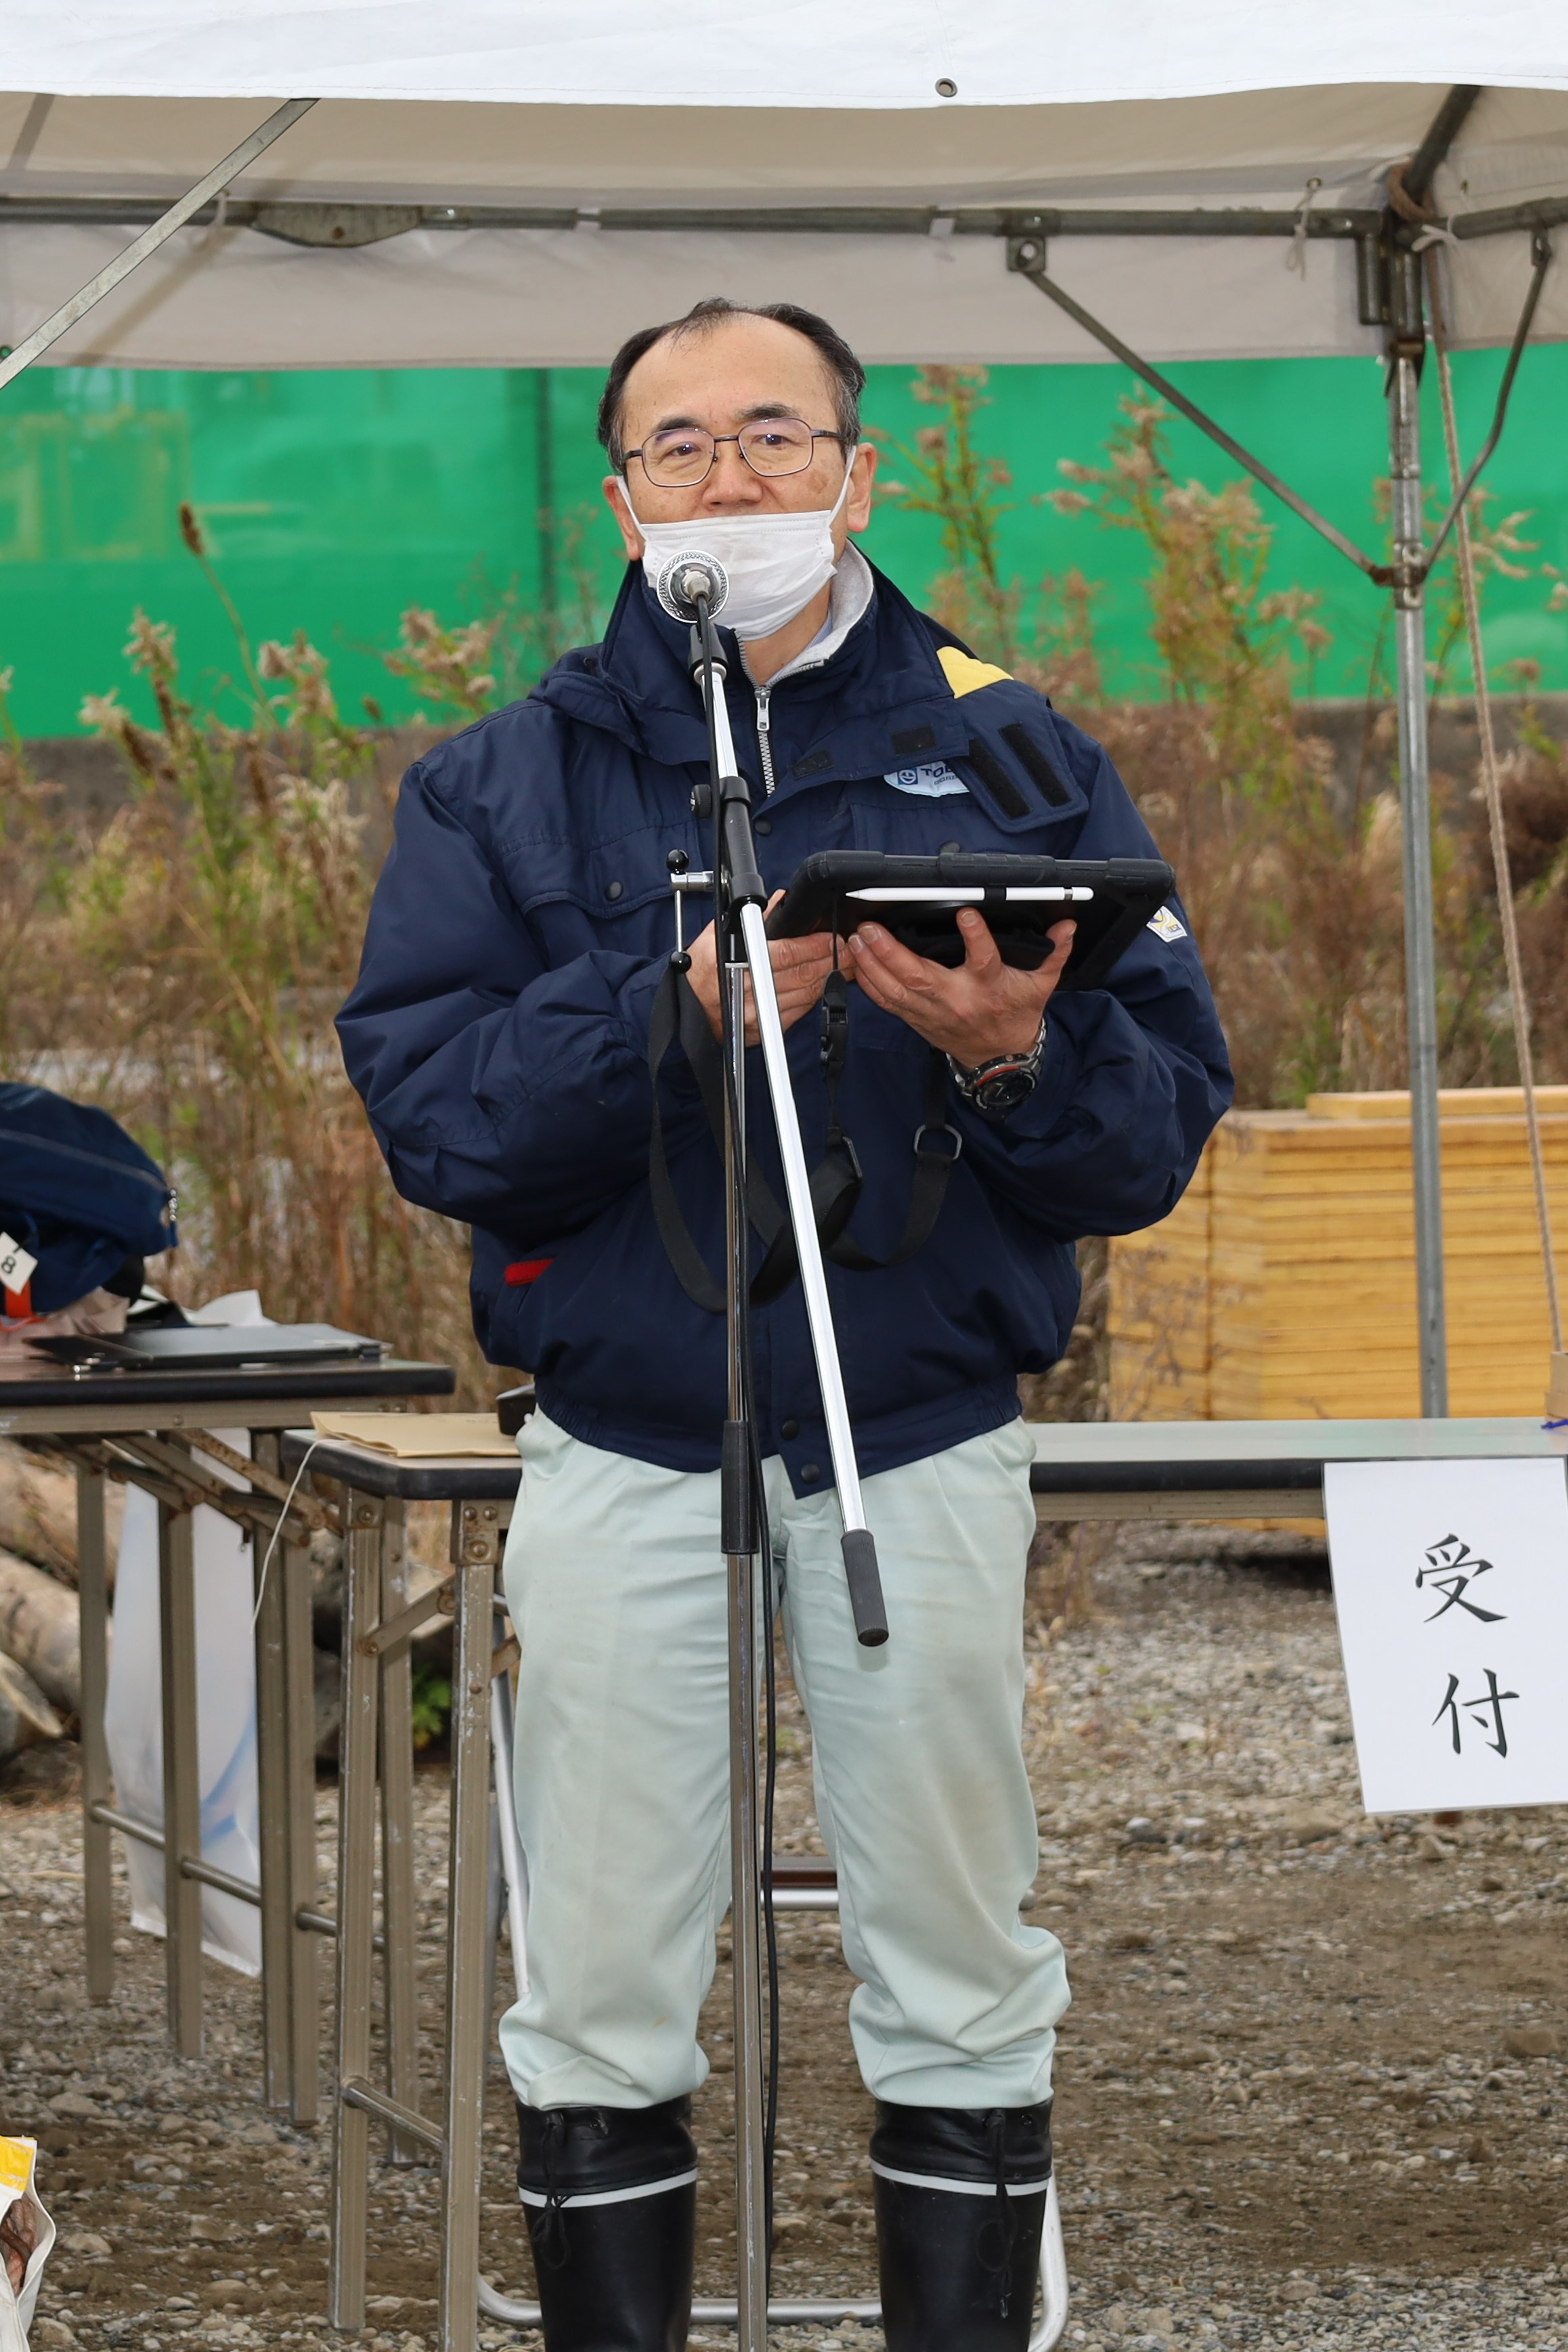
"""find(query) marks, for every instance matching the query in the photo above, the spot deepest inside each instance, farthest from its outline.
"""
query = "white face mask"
(774, 563)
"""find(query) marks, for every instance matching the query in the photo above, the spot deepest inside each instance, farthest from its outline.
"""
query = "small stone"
(228, 2289)
(1532, 2041)
(1480, 2151)
(1493, 1884)
(1133, 1939)
(1141, 1830)
(1309, 1829)
(1299, 2290)
(51, 2331)
(385, 2306)
(1432, 1849)
(73, 2103)
(84, 2242)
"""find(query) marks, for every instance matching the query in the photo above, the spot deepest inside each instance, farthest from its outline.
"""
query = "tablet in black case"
(1110, 898)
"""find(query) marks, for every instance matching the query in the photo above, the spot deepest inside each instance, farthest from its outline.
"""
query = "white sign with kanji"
(1451, 1584)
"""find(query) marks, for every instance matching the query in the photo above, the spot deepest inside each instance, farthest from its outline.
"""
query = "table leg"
(97, 1852)
(356, 1905)
(476, 1549)
(182, 1778)
(397, 1840)
(272, 1792)
(300, 1730)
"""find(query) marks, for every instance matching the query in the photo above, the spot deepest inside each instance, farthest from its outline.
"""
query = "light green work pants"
(616, 1589)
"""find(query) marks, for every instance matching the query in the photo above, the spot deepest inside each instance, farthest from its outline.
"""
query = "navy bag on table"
(80, 1197)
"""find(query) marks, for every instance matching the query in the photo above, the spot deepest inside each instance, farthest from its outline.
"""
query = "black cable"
(770, 1780)
(770, 1684)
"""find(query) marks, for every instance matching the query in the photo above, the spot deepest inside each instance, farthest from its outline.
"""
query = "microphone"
(690, 579)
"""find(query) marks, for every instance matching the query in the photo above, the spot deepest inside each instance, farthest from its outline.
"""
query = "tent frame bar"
(351, 222)
(1441, 133)
(277, 216)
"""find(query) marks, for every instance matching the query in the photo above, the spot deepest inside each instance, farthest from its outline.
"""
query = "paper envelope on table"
(420, 1436)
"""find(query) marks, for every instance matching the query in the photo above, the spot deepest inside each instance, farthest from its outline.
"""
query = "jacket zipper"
(764, 741)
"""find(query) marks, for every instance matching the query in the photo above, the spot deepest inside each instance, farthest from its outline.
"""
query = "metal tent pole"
(1392, 292)
(1406, 349)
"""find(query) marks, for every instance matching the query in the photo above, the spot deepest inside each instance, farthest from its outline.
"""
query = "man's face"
(731, 375)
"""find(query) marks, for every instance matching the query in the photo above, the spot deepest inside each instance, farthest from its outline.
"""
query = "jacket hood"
(637, 686)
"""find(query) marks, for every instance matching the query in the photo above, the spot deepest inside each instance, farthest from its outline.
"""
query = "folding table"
(153, 1429)
(1246, 1469)
(379, 1623)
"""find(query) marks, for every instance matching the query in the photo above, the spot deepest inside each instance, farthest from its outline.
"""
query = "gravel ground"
(1310, 2093)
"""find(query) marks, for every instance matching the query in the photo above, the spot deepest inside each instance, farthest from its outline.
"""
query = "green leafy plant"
(432, 1702)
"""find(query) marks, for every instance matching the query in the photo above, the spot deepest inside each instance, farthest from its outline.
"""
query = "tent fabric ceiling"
(808, 54)
(555, 299)
(1222, 149)
(1214, 106)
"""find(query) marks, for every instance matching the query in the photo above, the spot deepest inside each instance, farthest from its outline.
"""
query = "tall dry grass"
(182, 966)
(1289, 865)
(1288, 858)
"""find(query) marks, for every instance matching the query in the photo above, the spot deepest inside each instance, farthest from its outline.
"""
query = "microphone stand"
(740, 896)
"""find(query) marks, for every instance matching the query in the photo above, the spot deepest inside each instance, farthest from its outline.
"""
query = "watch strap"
(970, 1082)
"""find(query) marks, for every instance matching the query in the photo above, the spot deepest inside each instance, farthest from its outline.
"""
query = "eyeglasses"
(682, 456)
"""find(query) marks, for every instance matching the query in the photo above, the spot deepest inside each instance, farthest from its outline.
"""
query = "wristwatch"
(1001, 1084)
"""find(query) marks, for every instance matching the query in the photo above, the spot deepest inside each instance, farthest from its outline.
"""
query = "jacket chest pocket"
(614, 893)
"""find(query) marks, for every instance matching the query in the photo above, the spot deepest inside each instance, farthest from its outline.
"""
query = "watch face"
(1005, 1091)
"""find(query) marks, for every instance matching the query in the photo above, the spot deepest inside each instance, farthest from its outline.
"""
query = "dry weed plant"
(182, 965)
(1290, 871)
(1289, 865)
(183, 969)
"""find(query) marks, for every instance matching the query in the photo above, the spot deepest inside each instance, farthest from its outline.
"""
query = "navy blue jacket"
(499, 1034)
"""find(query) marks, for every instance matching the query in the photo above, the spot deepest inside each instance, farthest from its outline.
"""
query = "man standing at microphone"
(498, 1033)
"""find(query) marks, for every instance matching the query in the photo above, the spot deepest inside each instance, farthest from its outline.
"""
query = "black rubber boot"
(610, 2197)
(960, 2204)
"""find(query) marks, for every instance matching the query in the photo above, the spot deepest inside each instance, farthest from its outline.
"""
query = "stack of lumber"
(1161, 1287)
(1283, 1286)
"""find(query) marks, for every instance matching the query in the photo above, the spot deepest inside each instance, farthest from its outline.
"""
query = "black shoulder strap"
(934, 1161)
(678, 1013)
(836, 1183)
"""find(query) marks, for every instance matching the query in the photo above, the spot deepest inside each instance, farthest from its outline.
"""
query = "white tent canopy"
(532, 125)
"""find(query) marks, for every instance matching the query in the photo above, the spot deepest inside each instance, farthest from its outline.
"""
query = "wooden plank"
(1305, 1301)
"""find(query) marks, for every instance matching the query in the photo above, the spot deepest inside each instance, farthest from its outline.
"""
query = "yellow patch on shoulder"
(964, 674)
